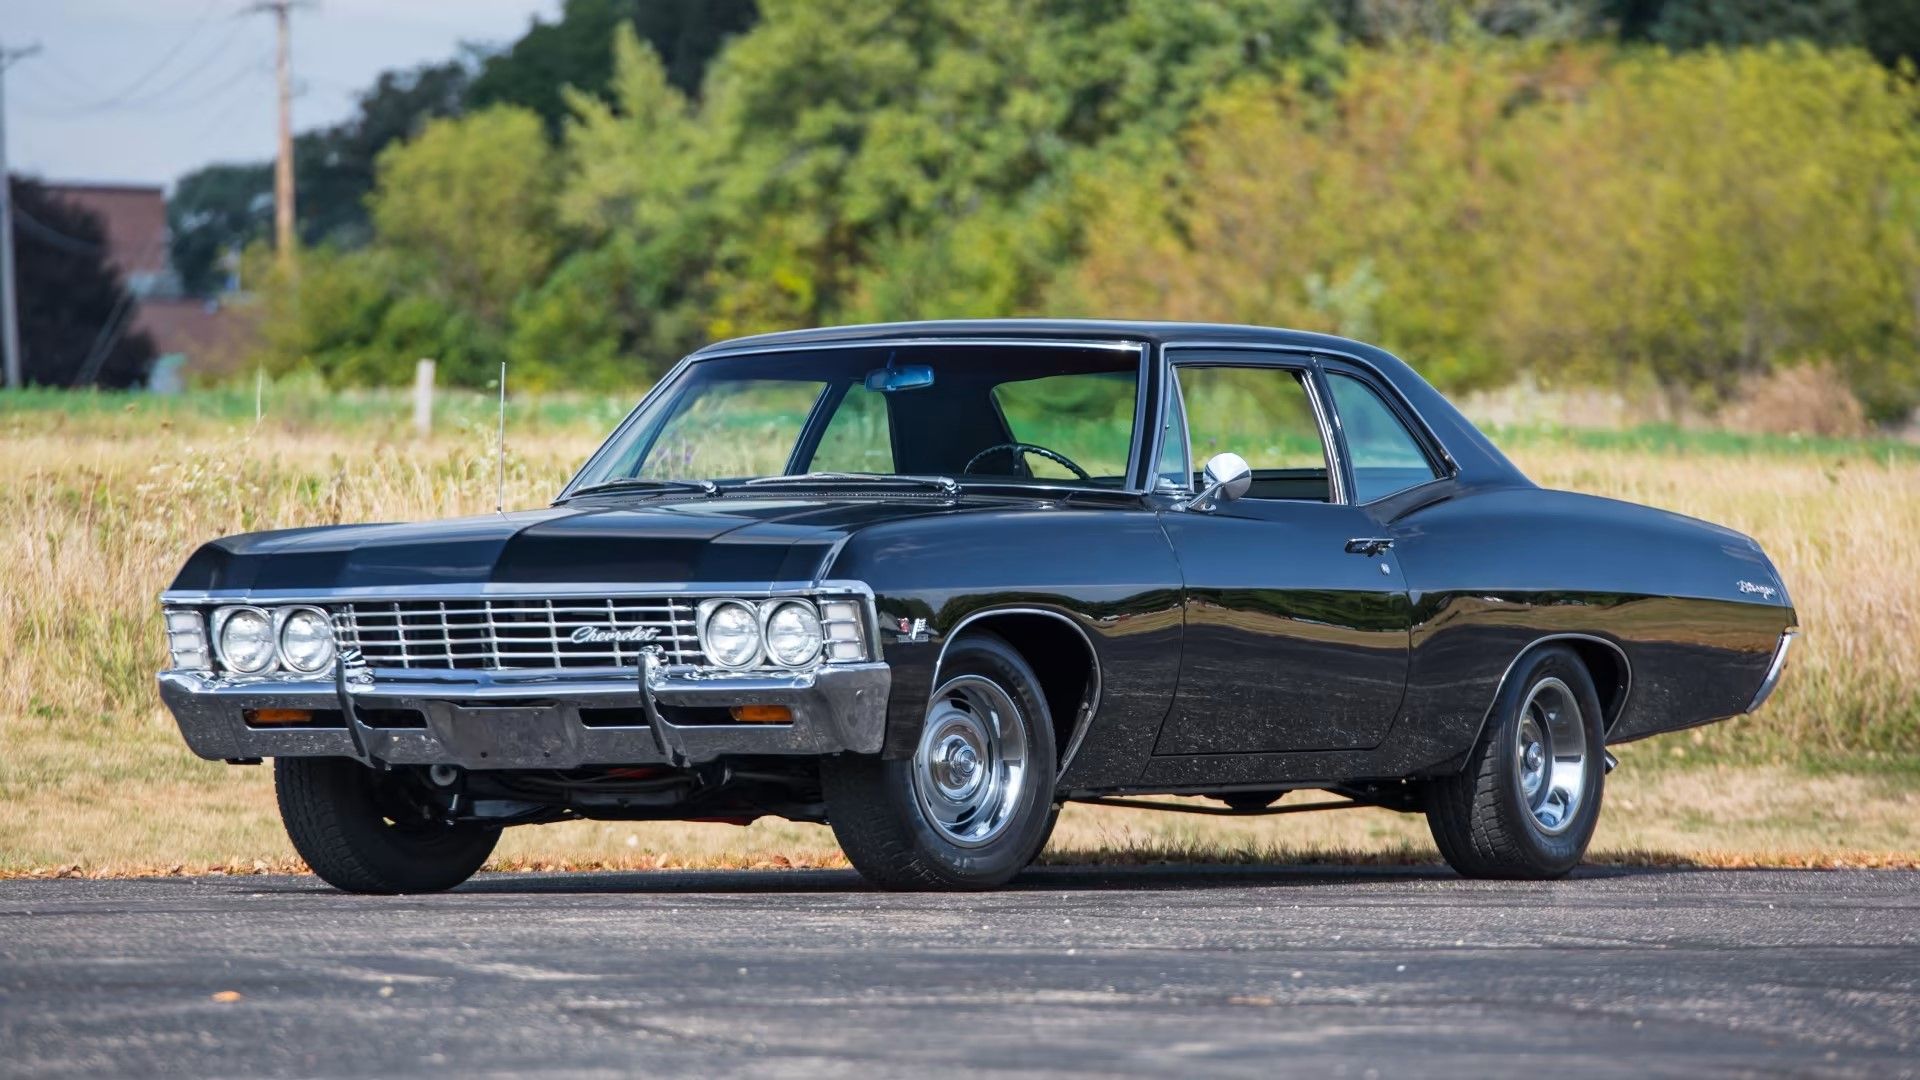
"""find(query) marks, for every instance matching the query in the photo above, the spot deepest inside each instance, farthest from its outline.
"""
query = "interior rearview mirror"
(1227, 476)
(889, 379)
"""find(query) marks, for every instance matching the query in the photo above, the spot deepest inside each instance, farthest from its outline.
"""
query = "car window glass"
(1174, 470)
(1088, 418)
(762, 417)
(858, 437)
(1265, 415)
(1386, 458)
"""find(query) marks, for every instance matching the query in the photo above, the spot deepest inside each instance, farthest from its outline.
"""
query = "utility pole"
(283, 195)
(9, 306)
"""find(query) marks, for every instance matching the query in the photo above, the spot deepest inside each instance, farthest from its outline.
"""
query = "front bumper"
(532, 719)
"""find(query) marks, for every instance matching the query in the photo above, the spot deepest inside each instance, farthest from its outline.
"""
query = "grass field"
(104, 496)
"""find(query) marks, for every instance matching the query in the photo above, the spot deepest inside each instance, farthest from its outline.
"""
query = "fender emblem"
(1766, 591)
(601, 635)
(914, 630)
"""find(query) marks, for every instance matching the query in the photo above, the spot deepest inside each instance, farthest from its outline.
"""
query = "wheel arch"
(1606, 663)
(1062, 655)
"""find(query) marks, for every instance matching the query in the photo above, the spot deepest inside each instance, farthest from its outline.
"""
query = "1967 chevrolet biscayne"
(928, 582)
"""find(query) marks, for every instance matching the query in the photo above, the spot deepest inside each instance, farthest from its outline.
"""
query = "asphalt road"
(1157, 972)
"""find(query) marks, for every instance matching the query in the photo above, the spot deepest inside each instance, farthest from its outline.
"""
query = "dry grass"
(96, 514)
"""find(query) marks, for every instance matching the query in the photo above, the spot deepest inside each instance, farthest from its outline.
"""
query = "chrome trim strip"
(1114, 344)
(1774, 670)
(595, 590)
(1332, 438)
(1082, 722)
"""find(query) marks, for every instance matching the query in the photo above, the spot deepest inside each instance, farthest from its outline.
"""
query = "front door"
(1296, 630)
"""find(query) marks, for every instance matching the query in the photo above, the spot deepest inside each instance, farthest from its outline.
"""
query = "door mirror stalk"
(1227, 478)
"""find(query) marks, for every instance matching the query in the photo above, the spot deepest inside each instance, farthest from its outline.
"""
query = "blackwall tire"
(1527, 802)
(343, 819)
(937, 820)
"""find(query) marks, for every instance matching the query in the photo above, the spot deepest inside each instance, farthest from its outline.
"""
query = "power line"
(162, 99)
(127, 91)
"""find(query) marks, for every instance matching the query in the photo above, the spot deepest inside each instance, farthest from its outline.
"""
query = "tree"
(334, 166)
(213, 213)
(74, 309)
(576, 50)
(216, 211)
(471, 201)
(846, 125)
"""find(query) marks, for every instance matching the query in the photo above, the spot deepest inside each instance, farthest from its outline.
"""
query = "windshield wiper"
(943, 483)
(634, 483)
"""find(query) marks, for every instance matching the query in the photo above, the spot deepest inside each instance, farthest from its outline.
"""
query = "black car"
(928, 582)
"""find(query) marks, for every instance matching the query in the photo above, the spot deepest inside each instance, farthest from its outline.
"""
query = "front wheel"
(364, 831)
(1527, 802)
(974, 804)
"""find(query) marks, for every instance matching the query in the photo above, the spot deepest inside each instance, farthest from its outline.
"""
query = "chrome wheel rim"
(1550, 756)
(970, 769)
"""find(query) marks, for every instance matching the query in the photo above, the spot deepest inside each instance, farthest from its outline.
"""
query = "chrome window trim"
(721, 350)
(1426, 429)
(1081, 724)
(1307, 366)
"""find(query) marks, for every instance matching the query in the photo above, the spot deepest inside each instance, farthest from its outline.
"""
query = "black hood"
(737, 540)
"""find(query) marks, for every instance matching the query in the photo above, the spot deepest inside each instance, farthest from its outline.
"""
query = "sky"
(143, 91)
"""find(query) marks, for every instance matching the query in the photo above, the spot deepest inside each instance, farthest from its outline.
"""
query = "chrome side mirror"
(1227, 476)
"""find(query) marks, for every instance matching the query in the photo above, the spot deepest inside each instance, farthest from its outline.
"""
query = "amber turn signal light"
(762, 714)
(278, 716)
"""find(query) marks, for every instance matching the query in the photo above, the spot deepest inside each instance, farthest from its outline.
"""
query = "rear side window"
(1386, 457)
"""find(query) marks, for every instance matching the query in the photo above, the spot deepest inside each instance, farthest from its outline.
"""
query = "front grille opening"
(392, 718)
(504, 634)
(697, 715)
(613, 717)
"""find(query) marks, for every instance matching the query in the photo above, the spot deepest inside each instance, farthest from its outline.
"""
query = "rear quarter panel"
(1696, 608)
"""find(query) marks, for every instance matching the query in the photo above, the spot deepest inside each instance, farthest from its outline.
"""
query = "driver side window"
(1265, 415)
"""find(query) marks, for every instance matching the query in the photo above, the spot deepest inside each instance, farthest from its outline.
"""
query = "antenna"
(500, 488)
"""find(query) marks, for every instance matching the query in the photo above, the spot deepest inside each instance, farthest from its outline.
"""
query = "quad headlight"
(306, 639)
(792, 633)
(249, 640)
(730, 632)
(245, 639)
(785, 632)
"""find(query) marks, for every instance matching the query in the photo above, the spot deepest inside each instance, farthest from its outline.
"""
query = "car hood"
(732, 540)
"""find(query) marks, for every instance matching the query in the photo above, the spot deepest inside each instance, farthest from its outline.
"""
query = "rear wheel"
(364, 831)
(1527, 802)
(974, 804)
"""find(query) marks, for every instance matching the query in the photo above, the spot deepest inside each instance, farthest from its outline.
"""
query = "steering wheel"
(1018, 448)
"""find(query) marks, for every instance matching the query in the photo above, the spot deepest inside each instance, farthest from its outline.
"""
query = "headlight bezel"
(223, 622)
(703, 620)
(772, 608)
(283, 617)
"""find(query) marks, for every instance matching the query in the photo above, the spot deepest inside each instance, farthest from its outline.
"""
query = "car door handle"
(1368, 545)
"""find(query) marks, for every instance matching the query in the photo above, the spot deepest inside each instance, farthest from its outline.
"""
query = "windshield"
(917, 411)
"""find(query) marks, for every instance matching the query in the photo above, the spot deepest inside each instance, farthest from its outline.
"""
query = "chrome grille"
(517, 632)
